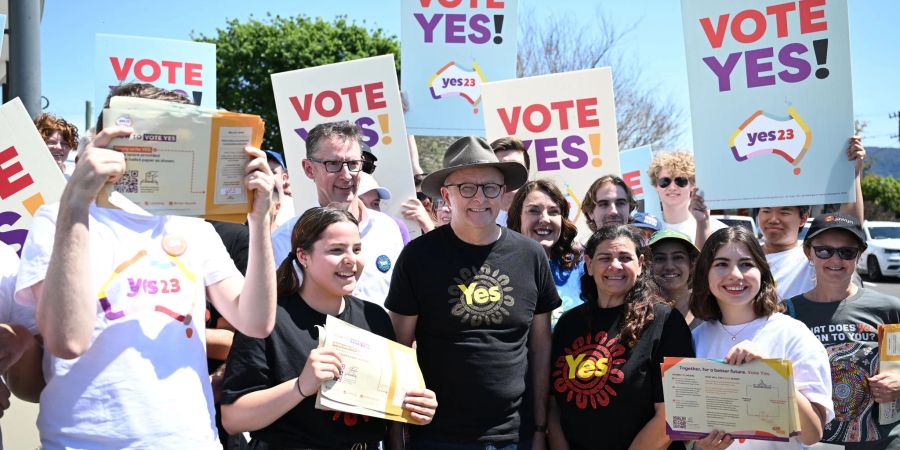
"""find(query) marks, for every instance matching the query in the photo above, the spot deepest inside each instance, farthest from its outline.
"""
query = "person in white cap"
(371, 193)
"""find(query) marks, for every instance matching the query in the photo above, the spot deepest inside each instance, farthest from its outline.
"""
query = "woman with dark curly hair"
(734, 292)
(606, 383)
(541, 212)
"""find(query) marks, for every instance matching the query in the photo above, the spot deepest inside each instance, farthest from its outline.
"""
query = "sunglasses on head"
(845, 253)
(664, 182)
(421, 196)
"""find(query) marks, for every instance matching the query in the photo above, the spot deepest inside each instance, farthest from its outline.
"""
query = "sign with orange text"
(29, 177)
(567, 122)
(363, 92)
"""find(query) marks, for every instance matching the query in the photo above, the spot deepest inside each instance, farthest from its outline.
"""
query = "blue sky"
(655, 45)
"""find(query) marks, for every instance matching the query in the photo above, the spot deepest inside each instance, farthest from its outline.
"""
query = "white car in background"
(882, 257)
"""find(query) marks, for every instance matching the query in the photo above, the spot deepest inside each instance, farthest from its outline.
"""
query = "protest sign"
(183, 66)
(450, 49)
(567, 122)
(183, 159)
(771, 103)
(29, 177)
(634, 163)
(364, 92)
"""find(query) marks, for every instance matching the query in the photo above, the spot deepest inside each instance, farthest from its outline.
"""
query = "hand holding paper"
(323, 364)
(98, 165)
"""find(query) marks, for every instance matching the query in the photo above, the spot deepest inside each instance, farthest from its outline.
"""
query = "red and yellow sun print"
(589, 369)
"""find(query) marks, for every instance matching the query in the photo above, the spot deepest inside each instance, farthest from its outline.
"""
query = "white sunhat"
(367, 183)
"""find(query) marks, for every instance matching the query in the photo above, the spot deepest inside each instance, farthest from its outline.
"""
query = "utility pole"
(896, 115)
(25, 53)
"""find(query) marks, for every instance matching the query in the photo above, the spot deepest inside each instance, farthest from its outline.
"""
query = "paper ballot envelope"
(183, 159)
(376, 375)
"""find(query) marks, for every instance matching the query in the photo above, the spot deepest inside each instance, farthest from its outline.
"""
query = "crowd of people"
(526, 336)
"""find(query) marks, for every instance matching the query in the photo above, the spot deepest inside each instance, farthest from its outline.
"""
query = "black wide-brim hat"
(471, 152)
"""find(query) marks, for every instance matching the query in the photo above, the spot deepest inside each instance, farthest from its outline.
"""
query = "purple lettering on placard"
(786, 56)
(723, 71)
(428, 26)
(756, 67)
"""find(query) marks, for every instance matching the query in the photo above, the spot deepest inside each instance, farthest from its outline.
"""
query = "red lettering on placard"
(330, 103)
(8, 185)
(538, 117)
(150, 71)
(749, 25)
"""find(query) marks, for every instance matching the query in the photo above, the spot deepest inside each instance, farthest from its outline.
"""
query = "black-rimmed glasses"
(468, 190)
(336, 166)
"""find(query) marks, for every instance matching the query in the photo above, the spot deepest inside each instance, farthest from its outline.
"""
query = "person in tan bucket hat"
(476, 298)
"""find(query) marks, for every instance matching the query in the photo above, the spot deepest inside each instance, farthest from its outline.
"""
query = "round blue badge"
(383, 263)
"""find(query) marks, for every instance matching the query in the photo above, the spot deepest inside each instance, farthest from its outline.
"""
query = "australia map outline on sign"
(764, 133)
(453, 80)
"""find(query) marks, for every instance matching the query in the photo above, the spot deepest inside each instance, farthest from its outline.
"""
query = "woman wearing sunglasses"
(845, 318)
(683, 209)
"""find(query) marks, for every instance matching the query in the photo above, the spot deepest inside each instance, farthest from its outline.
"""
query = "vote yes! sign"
(450, 49)
(567, 122)
(771, 103)
(29, 177)
(183, 66)
(364, 92)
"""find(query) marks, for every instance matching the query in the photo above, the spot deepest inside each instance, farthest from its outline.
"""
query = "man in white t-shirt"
(509, 149)
(334, 161)
(121, 298)
(673, 177)
(781, 226)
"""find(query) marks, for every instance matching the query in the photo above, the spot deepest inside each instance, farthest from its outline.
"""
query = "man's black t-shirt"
(605, 391)
(256, 364)
(474, 305)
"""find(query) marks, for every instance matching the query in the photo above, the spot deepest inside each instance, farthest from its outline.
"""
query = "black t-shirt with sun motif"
(475, 304)
(256, 364)
(605, 391)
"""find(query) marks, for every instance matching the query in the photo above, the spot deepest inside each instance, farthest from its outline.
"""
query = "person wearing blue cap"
(646, 223)
(282, 193)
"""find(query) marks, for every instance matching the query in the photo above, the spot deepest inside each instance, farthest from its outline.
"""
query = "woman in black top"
(262, 391)
(606, 386)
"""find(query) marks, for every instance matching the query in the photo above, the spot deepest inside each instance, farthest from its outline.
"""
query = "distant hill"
(885, 161)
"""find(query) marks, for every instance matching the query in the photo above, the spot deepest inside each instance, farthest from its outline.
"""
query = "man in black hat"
(476, 298)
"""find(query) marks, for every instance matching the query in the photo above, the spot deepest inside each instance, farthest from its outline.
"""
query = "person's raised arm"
(250, 305)
(66, 313)
(856, 153)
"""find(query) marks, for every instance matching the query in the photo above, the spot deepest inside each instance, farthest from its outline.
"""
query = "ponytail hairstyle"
(307, 231)
(639, 301)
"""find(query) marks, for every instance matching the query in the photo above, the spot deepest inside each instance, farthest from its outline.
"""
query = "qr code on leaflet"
(128, 184)
(679, 422)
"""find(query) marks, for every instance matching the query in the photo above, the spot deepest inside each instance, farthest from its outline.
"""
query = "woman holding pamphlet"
(270, 384)
(605, 382)
(733, 291)
(845, 318)
(539, 211)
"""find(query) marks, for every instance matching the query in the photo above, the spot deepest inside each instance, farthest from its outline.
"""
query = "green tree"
(882, 197)
(247, 53)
